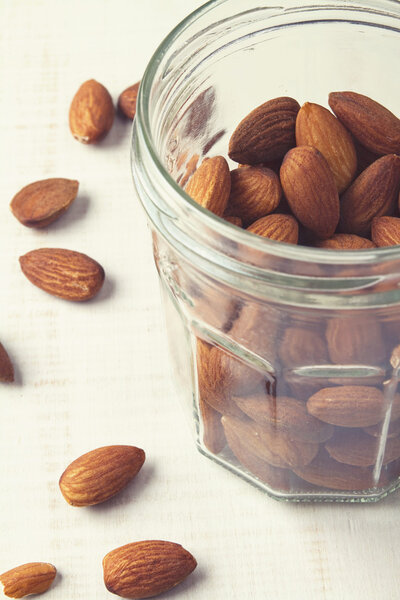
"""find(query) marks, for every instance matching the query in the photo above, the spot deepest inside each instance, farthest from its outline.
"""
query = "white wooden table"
(96, 374)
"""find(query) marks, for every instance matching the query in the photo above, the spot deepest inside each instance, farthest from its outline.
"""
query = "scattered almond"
(100, 474)
(146, 569)
(64, 273)
(281, 228)
(210, 185)
(30, 578)
(127, 101)
(91, 114)
(42, 202)
(385, 231)
(6, 366)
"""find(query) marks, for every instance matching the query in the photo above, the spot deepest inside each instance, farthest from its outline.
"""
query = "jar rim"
(185, 205)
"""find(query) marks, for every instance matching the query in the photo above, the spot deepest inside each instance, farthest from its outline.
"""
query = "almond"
(30, 578)
(372, 194)
(272, 446)
(281, 228)
(385, 231)
(91, 114)
(42, 202)
(323, 471)
(234, 220)
(316, 126)
(373, 125)
(273, 476)
(348, 405)
(210, 185)
(257, 329)
(127, 101)
(64, 273)
(355, 340)
(354, 447)
(255, 192)
(6, 366)
(285, 414)
(266, 133)
(310, 189)
(100, 474)
(345, 241)
(147, 568)
(300, 346)
(376, 430)
(213, 432)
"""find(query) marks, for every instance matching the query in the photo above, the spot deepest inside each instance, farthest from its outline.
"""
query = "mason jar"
(286, 357)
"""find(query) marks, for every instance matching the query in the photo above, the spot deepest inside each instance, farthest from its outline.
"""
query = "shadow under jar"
(284, 355)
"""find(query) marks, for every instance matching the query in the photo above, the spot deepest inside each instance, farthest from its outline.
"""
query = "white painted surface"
(96, 374)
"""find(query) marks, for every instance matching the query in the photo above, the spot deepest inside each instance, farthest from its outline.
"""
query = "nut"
(100, 474)
(127, 101)
(310, 189)
(355, 340)
(30, 578)
(255, 192)
(385, 231)
(345, 241)
(316, 126)
(266, 133)
(281, 228)
(91, 114)
(42, 202)
(146, 569)
(210, 185)
(300, 346)
(6, 366)
(213, 432)
(355, 447)
(373, 125)
(64, 273)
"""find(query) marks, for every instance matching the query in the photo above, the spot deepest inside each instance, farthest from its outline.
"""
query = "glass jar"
(284, 355)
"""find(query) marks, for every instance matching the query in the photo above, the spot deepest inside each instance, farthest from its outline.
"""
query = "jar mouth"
(184, 206)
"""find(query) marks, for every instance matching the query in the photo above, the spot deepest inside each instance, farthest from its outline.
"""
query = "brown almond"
(316, 126)
(127, 101)
(385, 231)
(355, 340)
(285, 414)
(300, 347)
(273, 446)
(372, 194)
(348, 405)
(6, 366)
(147, 568)
(310, 189)
(355, 447)
(257, 329)
(213, 432)
(30, 578)
(373, 125)
(91, 113)
(99, 474)
(345, 241)
(42, 202)
(278, 227)
(266, 133)
(255, 192)
(210, 185)
(64, 273)
(323, 471)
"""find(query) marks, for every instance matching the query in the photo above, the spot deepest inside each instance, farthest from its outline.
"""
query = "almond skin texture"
(127, 101)
(91, 113)
(210, 185)
(266, 133)
(354, 447)
(6, 367)
(255, 192)
(348, 405)
(373, 125)
(30, 578)
(42, 202)
(316, 126)
(385, 231)
(281, 228)
(98, 475)
(372, 194)
(310, 189)
(146, 569)
(64, 273)
(345, 241)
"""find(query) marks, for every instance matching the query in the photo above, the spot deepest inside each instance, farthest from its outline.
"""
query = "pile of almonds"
(309, 176)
